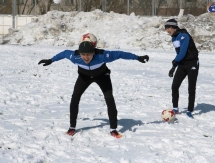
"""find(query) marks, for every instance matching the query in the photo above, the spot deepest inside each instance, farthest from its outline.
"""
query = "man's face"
(87, 57)
(170, 30)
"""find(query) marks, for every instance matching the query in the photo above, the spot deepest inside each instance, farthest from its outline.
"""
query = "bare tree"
(139, 7)
(159, 6)
(143, 7)
(25, 4)
(48, 5)
(195, 7)
(6, 8)
(87, 5)
(117, 6)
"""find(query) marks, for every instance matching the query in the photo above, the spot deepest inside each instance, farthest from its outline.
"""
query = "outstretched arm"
(110, 56)
(64, 54)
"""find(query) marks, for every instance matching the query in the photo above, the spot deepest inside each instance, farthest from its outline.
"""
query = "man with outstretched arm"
(92, 68)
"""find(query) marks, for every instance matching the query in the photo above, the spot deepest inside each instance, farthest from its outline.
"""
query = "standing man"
(92, 68)
(187, 63)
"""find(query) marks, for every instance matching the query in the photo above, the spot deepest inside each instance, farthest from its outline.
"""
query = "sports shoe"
(115, 134)
(71, 131)
(189, 114)
(176, 111)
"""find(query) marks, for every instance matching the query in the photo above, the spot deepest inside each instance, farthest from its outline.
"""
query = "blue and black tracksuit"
(188, 65)
(96, 71)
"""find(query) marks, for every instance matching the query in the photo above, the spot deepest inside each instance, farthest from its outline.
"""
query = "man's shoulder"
(183, 35)
(184, 32)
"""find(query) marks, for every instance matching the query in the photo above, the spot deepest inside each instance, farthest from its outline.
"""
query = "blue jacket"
(97, 66)
(184, 47)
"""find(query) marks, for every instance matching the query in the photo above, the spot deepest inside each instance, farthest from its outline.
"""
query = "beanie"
(86, 47)
(171, 23)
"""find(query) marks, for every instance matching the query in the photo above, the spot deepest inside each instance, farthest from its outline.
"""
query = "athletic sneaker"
(71, 131)
(176, 111)
(116, 134)
(189, 114)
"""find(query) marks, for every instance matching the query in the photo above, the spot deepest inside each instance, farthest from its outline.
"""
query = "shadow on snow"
(204, 108)
(127, 124)
(201, 108)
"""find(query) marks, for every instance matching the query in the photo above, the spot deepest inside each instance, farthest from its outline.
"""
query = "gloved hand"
(174, 64)
(171, 72)
(143, 59)
(46, 61)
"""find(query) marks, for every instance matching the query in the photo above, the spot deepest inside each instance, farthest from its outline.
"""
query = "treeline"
(139, 7)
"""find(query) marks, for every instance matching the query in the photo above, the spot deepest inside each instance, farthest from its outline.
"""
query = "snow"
(34, 100)
(113, 30)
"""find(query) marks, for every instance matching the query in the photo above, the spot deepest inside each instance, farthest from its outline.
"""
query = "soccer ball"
(168, 115)
(89, 37)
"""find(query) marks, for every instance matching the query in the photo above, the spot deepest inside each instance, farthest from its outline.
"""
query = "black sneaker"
(115, 134)
(71, 132)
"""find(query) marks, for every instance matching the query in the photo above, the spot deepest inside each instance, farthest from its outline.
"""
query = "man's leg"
(79, 88)
(192, 79)
(180, 74)
(105, 84)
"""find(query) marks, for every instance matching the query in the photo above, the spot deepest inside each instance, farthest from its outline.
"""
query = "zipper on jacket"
(90, 74)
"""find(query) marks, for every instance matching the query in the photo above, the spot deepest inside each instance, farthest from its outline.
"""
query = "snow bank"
(113, 30)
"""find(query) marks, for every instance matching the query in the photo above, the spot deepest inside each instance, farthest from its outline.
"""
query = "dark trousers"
(191, 71)
(105, 85)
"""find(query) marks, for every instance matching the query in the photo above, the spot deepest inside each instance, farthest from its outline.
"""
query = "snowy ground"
(34, 111)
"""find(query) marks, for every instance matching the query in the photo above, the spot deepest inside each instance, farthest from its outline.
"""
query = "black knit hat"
(86, 47)
(171, 23)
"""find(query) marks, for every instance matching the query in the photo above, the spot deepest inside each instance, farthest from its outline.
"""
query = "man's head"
(170, 26)
(86, 50)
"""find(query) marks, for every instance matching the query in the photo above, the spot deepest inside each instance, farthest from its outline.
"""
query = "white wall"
(6, 22)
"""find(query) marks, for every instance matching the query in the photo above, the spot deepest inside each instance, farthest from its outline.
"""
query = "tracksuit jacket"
(184, 47)
(97, 66)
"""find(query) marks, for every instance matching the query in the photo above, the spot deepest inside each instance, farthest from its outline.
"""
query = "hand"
(174, 64)
(171, 72)
(46, 61)
(143, 59)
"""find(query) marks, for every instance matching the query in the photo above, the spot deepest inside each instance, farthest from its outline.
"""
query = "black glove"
(171, 72)
(143, 59)
(174, 64)
(46, 61)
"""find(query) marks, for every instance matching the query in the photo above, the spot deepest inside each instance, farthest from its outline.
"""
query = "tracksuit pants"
(191, 71)
(105, 84)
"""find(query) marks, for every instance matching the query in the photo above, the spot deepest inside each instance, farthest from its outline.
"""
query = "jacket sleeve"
(64, 54)
(110, 56)
(184, 43)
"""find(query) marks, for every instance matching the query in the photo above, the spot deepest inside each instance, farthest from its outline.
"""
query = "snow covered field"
(34, 111)
(34, 100)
